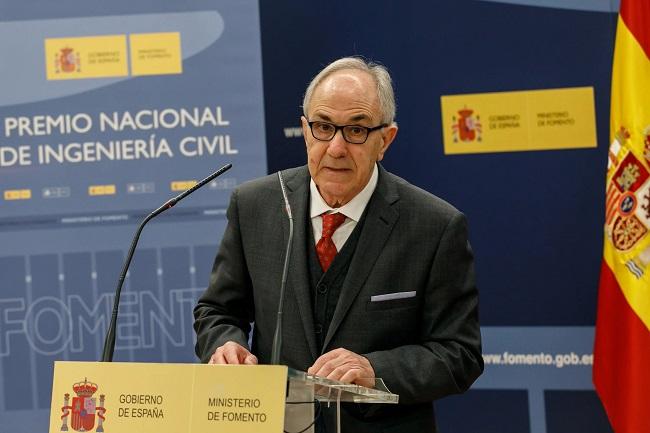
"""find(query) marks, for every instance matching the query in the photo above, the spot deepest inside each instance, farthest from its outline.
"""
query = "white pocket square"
(391, 296)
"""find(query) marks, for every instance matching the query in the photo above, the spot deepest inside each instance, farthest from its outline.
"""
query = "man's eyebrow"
(359, 117)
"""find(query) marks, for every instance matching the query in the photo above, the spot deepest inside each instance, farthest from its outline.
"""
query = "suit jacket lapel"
(298, 195)
(380, 219)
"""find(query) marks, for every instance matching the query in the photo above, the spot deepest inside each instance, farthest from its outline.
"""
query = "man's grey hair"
(378, 72)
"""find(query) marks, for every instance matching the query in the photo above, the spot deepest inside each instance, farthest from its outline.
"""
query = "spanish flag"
(621, 370)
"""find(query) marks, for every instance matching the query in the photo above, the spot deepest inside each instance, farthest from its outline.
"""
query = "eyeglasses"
(355, 134)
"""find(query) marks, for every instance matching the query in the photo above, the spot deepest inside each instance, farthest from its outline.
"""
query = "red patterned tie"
(325, 247)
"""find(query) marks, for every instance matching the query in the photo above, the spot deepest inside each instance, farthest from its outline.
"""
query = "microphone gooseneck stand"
(109, 342)
(277, 337)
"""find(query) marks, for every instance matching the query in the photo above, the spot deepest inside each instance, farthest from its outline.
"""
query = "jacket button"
(318, 328)
(322, 289)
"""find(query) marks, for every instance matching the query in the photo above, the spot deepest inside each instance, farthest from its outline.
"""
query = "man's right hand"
(232, 353)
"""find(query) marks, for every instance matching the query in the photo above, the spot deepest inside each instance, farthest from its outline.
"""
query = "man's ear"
(305, 128)
(388, 134)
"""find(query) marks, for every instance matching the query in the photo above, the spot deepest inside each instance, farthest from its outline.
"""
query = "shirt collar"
(353, 209)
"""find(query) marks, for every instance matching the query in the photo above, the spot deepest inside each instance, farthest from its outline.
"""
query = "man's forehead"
(353, 91)
(347, 80)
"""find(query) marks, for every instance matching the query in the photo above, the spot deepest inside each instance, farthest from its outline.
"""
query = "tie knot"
(331, 221)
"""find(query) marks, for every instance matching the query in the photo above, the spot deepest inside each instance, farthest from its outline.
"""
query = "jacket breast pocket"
(394, 300)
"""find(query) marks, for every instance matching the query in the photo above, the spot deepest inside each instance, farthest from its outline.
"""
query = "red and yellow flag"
(622, 351)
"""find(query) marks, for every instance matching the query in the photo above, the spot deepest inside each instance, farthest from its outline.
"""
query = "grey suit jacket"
(425, 346)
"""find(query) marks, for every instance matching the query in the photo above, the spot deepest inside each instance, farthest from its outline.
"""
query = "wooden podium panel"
(167, 398)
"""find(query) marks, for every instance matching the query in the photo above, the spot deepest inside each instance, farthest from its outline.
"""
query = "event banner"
(106, 112)
(109, 115)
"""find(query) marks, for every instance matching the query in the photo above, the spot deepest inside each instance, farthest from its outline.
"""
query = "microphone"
(277, 337)
(109, 342)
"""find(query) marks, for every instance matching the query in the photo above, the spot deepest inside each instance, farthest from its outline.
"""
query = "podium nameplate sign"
(167, 398)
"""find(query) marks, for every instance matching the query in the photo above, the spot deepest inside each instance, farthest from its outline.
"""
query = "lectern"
(194, 398)
(304, 387)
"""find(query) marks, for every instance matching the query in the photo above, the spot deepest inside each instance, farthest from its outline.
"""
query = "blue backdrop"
(535, 217)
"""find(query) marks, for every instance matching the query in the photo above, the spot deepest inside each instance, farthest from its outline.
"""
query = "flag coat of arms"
(621, 370)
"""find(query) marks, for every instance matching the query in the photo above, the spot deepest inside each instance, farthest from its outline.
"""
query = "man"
(381, 281)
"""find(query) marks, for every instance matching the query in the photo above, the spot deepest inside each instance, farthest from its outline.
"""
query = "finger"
(338, 372)
(322, 360)
(320, 370)
(330, 366)
(231, 355)
(250, 359)
(356, 375)
(317, 365)
(349, 376)
(217, 357)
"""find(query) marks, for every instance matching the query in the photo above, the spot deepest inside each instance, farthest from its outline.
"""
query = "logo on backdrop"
(466, 127)
(84, 408)
(67, 61)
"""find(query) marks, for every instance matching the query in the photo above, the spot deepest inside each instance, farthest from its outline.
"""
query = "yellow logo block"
(182, 185)
(519, 121)
(86, 57)
(102, 190)
(156, 53)
(130, 397)
(18, 194)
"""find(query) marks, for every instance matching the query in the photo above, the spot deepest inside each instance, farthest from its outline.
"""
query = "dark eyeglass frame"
(342, 128)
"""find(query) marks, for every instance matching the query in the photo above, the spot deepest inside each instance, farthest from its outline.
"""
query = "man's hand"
(232, 353)
(345, 366)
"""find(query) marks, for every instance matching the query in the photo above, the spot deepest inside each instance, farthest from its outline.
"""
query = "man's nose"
(338, 146)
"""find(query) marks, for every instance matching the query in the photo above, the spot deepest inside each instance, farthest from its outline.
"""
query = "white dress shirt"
(352, 210)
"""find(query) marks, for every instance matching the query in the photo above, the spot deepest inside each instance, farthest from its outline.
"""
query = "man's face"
(341, 169)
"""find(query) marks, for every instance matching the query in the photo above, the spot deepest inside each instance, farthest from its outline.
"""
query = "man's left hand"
(345, 366)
